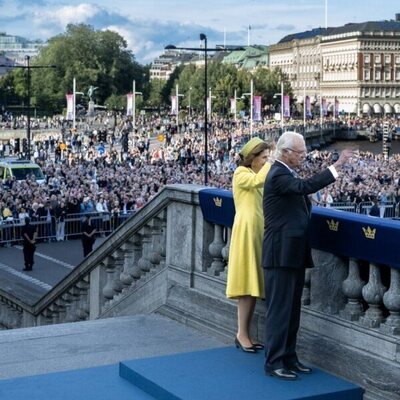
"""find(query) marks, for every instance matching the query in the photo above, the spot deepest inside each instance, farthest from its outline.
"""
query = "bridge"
(169, 261)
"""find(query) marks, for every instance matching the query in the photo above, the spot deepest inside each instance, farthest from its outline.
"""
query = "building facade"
(163, 66)
(16, 48)
(357, 64)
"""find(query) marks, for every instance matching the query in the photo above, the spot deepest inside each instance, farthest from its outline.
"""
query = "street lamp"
(74, 93)
(190, 105)
(28, 68)
(134, 93)
(275, 96)
(203, 38)
(251, 94)
(177, 106)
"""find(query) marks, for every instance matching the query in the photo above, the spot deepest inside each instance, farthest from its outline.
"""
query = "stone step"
(61, 347)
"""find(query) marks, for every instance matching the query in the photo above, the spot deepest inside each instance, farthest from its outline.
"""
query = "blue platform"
(226, 373)
(217, 374)
(100, 383)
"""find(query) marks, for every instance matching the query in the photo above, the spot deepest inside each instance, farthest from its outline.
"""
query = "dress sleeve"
(247, 179)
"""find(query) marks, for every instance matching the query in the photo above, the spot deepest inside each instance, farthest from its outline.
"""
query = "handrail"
(114, 241)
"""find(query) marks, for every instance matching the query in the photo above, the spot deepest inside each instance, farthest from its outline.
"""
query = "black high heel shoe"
(245, 349)
(258, 346)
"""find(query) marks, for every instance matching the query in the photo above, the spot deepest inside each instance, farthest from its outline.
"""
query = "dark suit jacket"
(287, 214)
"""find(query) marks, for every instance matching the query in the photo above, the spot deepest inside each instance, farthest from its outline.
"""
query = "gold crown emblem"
(217, 201)
(333, 226)
(369, 233)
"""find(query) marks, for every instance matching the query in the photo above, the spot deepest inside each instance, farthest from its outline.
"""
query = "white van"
(20, 169)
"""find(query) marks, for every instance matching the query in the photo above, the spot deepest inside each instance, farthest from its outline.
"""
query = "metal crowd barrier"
(389, 210)
(105, 223)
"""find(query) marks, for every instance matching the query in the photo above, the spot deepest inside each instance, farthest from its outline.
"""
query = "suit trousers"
(283, 290)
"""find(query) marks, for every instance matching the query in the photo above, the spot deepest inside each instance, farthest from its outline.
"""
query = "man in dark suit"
(286, 252)
(28, 233)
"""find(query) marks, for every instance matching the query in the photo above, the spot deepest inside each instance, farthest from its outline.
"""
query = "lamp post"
(204, 49)
(134, 93)
(190, 105)
(235, 98)
(28, 68)
(251, 94)
(275, 96)
(74, 93)
(177, 94)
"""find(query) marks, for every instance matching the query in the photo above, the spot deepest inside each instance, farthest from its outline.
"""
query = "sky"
(149, 25)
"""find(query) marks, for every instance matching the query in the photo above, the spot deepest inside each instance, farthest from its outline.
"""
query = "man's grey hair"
(286, 141)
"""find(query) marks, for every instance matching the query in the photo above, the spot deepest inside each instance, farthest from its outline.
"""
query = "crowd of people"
(87, 172)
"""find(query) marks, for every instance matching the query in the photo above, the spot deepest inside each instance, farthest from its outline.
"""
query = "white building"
(16, 48)
(359, 64)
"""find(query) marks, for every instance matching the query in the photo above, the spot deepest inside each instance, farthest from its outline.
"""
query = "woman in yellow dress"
(245, 276)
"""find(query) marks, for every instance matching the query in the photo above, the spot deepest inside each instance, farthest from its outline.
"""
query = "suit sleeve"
(286, 183)
(246, 179)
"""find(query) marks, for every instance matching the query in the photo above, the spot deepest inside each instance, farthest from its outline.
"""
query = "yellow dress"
(245, 274)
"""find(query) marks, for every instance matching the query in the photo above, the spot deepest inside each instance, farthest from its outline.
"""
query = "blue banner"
(338, 232)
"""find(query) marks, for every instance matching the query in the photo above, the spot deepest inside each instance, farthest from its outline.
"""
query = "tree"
(97, 58)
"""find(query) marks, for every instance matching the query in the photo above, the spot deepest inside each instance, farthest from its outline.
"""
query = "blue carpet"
(227, 373)
(100, 383)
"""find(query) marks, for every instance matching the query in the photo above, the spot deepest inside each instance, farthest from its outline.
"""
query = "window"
(387, 59)
(377, 58)
(377, 75)
(367, 75)
(397, 74)
(387, 75)
(397, 59)
(366, 92)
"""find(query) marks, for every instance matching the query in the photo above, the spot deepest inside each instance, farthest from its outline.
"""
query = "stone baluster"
(163, 237)
(13, 318)
(144, 262)
(373, 293)
(136, 255)
(352, 289)
(391, 300)
(73, 297)
(225, 250)
(82, 311)
(54, 310)
(215, 249)
(2, 312)
(46, 317)
(118, 256)
(306, 297)
(108, 290)
(60, 307)
(64, 304)
(155, 256)
(126, 274)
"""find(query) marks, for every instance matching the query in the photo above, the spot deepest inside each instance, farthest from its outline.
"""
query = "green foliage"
(94, 58)
(224, 79)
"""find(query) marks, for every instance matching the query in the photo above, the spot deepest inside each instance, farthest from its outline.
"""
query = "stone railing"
(131, 256)
(168, 258)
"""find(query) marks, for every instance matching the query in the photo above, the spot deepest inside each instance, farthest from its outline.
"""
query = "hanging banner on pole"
(70, 107)
(308, 107)
(174, 105)
(336, 107)
(286, 106)
(256, 108)
(209, 105)
(233, 106)
(129, 104)
(324, 108)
